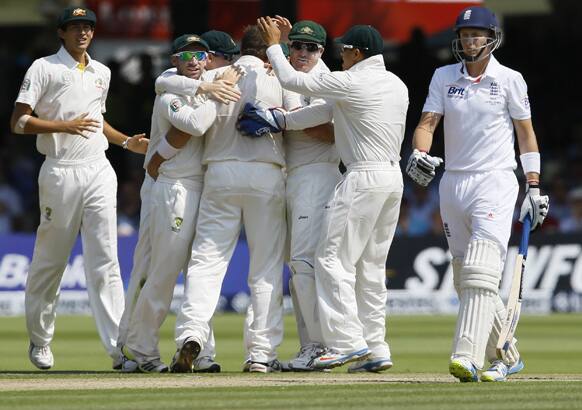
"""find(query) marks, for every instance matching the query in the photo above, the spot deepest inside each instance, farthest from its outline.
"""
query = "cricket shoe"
(128, 361)
(269, 367)
(463, 370)
(303, 361)
(332, 358)
(372, 364)
(41, 356)
(246, 366)
(184, 358)
(153, 366)
(205, 364)
(498, 371)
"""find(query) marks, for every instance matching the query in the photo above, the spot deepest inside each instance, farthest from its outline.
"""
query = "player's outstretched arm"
(137, 143)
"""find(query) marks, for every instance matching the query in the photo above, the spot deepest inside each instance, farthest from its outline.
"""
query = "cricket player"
(77, 185)
(369, 113)
(482, 102)
(312, 174)
(243, 185)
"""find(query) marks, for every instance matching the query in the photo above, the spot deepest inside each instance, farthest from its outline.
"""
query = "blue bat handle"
(525, 236)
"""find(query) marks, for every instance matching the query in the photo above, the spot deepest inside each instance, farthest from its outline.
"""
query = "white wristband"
(21, 123)
(530, 162)
(165, 150)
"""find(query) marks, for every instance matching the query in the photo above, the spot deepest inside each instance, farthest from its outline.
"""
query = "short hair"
(252, 43)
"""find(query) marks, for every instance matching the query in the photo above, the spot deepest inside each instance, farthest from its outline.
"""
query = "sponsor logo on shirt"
(455, 92)
(526, 101)
(48, 213)
(25, 85)
(175, 105)
(99, 83)
(177, 225)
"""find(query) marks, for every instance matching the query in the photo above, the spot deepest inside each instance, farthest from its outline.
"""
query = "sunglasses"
(189, 55)
(311, 47)
(227, 57)
(345, 47)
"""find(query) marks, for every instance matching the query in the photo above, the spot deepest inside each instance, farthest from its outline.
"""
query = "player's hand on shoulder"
(221, 90)
(535, 205)
(421, 167)
(138, 143)
(256, 122)
(81, 125)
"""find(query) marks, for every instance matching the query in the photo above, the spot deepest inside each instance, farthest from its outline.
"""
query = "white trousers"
(236, 194)
(308, 190)
(174, 210)
(350, 266)
(141, 260)
(76, 195)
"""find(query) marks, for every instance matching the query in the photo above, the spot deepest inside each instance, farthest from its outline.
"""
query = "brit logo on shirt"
(455, 91)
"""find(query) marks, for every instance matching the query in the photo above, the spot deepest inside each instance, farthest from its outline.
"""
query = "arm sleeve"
(434, 101)
(335, 85)
(169, 81)
(194, 121)
(291, 100)
(33, 85)
(318, 112)
(517, 99)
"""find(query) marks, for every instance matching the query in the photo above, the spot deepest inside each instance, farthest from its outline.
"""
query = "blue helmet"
(477, 17)
(481, 18)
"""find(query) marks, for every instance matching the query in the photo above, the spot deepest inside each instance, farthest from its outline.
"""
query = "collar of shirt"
(70, 62)
(375, 62)
(492, 70)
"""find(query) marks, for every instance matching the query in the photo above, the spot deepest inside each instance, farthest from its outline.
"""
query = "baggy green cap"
(308, 31)
(221, 42)
(76, 14)
(187, 39)
(364, 37)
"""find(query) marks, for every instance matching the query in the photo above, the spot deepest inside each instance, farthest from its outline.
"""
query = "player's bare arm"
(423, 134)
(23, 122)
(526, 139)
(177, 139)
(269, 30)
(323, 132)
(137, 143)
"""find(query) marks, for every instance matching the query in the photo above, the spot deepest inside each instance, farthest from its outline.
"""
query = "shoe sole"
(489, 379)
(461, 372)
(215, 368)
(374, 369)
(188, 353)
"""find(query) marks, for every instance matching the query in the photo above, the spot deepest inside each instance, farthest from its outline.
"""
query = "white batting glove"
(421, 167)
(534, 205)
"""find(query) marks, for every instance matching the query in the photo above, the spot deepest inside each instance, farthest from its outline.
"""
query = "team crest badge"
(79, 12)
(306, 30)
(99, 83)
(177, 224)
(192, 39)
(175, 105)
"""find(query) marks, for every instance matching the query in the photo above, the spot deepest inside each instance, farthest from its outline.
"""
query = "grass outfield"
(551, 347)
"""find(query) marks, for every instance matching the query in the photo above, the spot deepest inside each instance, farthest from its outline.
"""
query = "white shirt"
(478, 115)
(186, 85)
(300, 148)
(56, 89)
(369, 106)
(190, 115)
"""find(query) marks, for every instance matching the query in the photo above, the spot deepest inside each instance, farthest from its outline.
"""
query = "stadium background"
(132, 38)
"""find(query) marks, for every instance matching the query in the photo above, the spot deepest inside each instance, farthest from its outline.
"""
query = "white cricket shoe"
(41, 356)
(332, 358)
(303, 361)
(463, 369)
(184, 358)
(498, 371)
(375, 365)
(269, 367)
(205, 364)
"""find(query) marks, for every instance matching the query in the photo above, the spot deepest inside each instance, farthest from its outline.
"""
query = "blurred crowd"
(129, 106)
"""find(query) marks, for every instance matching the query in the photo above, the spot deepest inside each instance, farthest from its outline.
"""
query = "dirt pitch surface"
(76, 381)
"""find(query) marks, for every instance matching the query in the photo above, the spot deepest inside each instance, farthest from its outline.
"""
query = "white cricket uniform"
(77, 191)
(479, 188)
(312, 174)
(369, 114)
(243, 185)
(174, 201)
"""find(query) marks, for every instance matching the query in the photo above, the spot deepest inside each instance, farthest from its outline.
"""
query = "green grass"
(420, 344)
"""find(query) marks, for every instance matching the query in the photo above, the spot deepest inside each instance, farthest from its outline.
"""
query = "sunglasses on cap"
(345, 47)
(300, 45)
(189, 55)
(227, 57)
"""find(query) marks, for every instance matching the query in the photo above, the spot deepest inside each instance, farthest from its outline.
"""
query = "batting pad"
(498, 319)
(476, 311)
(457, 266)
(482, 266)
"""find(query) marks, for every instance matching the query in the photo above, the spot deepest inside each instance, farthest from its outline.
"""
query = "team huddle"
(255, 143)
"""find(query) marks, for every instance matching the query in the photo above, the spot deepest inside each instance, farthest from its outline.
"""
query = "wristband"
(21, 123)
(124, 143)
(165, 150)
(530, 162)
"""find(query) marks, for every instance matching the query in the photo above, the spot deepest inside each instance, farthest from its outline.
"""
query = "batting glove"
(421, 167)
(534, 205)
(256, 122)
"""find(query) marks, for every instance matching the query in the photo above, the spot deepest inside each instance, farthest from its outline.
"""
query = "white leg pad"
(482, 266)
(457, 267)
(498, 319)
(476, 310)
